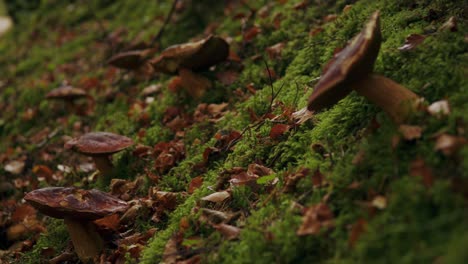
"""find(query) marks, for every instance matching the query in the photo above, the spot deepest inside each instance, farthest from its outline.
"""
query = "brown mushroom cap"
(354, 62)
(61, 202)
(67, 92)
(99, 143)
(194, 56)
(130, 60)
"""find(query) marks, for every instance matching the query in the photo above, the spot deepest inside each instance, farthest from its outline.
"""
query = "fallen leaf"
(22, 212)
(274, 51)
(14, 167)
(217, 197)
(412, 41)
(356, 231)
(43, 173)
(418, 168)
(450, 25)
(448, 144)
(410, 132)
(195, 183)
(315, 218)
(228, 231)
(227, 77)
(439, 108)
(379, 202)
(302, 115)
(111, 222)
(278, 130)
(251, 33)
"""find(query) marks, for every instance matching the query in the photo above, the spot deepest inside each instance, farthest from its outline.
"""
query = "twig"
(166, 21)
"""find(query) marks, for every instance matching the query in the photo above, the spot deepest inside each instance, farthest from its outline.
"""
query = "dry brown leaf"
(251, 33)
(278, 130)
(439, 108)
(195, 183)
(111, 222)
(228, 231)
(274, 51)
(22, 212)
(315, 218)
(356, 231)
(450, 25)
(379, 202)
(418, 168)
(217, 197)
(448, 144)
(14, 167)
(412, 41)
(410, 132)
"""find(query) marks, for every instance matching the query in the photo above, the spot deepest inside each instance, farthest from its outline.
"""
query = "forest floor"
(227, 174)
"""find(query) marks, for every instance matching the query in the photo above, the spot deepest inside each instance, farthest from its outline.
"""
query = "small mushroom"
(184, 59)
(100, 146)
(78, 208)
(69, 94)
(351, 69)
(131, 60)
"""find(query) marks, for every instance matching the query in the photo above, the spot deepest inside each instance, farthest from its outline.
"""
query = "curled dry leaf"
(291, 180)
(14, 167)
(302, 115)
(195, 183)
(412, 41)
(449, 25)
(43, 173)
(439, 108)
(418, 168)
(227, 77)
(228, 231)
(217, 197)
(278, 130)
(379, 202)
(410, 132)
(448, 144)
(274, 51)
(251, 33)
(356, 231)
(111, 222)
(315, 218)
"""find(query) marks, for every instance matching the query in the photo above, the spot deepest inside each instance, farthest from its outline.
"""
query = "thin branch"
(166, 21)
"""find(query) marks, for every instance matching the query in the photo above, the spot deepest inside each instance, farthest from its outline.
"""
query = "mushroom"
(131, 60)
(351, 69)
(100, 146)
(78, 208)
(184, 59)
(69, 94)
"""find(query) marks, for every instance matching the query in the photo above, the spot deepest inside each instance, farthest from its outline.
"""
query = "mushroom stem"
(195, 84)
(393, 98)
(86, 241)
(103, 164)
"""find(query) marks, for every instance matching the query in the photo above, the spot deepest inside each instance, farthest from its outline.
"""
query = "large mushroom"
(185, 59)
(351, 69)
(100, 146)
(78, 208)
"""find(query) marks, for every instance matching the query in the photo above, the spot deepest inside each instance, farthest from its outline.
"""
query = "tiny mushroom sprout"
(100, 146)
(69, 94)
(78, 208)
(184, 59)
(351, 69)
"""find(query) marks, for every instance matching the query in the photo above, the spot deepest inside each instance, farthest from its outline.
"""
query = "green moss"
(420, 224)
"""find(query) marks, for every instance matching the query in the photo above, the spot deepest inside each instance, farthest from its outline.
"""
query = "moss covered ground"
(390, 198)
